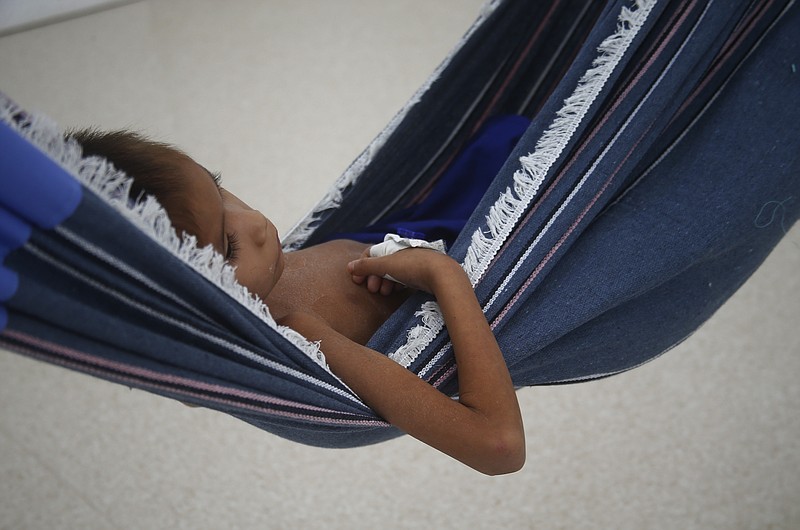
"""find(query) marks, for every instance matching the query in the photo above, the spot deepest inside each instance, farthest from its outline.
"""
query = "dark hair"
(153, 166)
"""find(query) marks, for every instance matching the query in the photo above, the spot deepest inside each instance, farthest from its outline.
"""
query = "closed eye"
(233, 247)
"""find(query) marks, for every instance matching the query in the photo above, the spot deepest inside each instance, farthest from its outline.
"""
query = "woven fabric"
(660, 168)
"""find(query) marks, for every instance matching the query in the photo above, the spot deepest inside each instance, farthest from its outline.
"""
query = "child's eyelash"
(233, 247)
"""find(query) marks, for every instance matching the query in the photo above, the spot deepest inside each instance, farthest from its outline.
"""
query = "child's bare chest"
(316, 280)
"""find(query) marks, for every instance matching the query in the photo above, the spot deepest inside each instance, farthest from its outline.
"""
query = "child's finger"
(379, 267)
(365, 267)
(374, 283)
(387, 287)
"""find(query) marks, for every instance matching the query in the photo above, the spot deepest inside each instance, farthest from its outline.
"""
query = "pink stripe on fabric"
(588, 139)
(445, 376)
(728, 49)
(656, 54)
(566, 234)
(104, 365)
(500, 91)
(423, 193)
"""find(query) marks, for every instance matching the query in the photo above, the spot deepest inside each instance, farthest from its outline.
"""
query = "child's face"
(243, 235)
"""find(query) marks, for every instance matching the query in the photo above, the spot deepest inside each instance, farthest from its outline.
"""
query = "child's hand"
(415, 267)
(378, 284)
(374, 283)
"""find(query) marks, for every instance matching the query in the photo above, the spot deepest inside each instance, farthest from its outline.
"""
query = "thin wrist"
(448, 277)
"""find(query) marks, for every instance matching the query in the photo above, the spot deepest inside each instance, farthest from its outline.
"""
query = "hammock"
(660, 168)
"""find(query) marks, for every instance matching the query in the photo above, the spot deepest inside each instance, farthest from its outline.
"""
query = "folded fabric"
(441, 210)
(394, 243)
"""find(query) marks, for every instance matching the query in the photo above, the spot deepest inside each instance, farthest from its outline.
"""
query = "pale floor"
(281, 96)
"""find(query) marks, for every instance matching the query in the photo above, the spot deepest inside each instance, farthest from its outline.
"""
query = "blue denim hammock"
(660, 168)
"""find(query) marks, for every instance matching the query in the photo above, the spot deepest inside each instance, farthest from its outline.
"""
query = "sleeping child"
(307, 290)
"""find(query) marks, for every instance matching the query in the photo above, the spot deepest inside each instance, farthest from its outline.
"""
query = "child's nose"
(257, 226)
(252, 225)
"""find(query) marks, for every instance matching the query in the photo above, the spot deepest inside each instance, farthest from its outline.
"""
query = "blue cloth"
(447, 207)
(35, 192)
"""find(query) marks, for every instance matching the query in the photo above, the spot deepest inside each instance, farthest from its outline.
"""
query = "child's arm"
(483, 428)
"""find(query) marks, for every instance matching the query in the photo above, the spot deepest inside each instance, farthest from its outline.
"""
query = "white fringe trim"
(420, 336)
(513, 203)
(112, 186)
(302, 230)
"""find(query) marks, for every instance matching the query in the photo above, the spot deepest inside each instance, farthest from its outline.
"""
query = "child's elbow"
(505, 453)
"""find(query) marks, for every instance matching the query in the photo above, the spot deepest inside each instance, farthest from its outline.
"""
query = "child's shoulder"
(338, 248)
